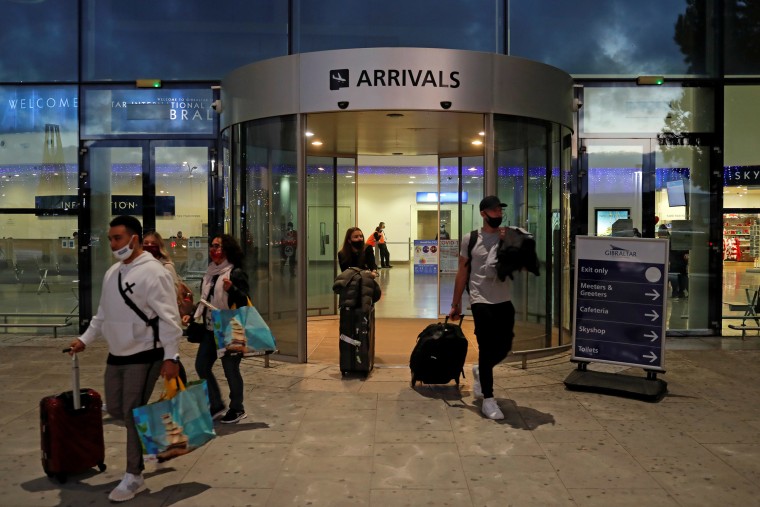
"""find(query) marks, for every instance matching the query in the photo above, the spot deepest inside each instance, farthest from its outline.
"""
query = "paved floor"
(313, 438)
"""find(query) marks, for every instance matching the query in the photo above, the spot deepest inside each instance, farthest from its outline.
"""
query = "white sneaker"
(491, 409)
(477, 391)
(129, 486)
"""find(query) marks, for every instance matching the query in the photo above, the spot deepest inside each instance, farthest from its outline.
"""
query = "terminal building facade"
(284, 123)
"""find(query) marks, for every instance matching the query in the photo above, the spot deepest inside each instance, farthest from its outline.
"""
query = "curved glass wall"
(530, 160)
(531, 174)
(264, 200)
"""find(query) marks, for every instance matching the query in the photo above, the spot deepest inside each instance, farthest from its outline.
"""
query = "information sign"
(620, 289)
(425, 257)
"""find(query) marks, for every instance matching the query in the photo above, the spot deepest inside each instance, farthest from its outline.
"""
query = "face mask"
(124, 252)
(357, 244)
(493, 222)
(153, 249)
(216, 254)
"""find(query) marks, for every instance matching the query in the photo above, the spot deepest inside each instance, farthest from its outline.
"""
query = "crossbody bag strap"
(152, 323)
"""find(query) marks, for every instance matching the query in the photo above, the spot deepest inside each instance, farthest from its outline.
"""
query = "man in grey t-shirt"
(490, 300)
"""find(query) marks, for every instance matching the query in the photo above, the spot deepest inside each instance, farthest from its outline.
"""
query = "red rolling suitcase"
(71, 430)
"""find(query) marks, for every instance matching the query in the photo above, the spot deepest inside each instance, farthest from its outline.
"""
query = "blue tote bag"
(242, 330)
(173, 427)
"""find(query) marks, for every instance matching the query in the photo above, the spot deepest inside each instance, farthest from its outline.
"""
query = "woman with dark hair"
(355, 253)
(225, 285)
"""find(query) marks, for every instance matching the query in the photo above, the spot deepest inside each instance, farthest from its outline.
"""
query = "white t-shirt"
(485, 286)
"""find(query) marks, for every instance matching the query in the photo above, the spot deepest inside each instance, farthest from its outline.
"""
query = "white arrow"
(652, 335)
(654, 315)
(654, 294)
(652, 357)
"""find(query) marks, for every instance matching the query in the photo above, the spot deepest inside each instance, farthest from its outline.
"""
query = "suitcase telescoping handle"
(461, 318)
(75, 395)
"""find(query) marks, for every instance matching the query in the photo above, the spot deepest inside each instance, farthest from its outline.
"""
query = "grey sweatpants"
(129, 386)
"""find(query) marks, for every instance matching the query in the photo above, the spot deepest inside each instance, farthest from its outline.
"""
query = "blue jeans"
(204, 363)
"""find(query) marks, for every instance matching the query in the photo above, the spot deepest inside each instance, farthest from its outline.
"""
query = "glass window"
(38, 271)
(38, 146)
(114, 112)
(448, 24)
(179, 39)
(741, 203)
(742, 46)
(614, 37)
(39, 41)
(646, 110)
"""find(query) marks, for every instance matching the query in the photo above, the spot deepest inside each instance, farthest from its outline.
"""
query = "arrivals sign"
(620, 298)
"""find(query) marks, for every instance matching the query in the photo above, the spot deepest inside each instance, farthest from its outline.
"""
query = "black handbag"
(195, 332)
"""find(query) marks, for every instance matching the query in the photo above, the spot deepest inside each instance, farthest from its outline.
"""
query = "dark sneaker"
(216, 414)
(232, 416)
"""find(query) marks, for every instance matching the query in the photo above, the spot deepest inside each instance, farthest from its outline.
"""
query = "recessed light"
(481, 133)
(316, 143)
(412, 177)
(308, 134)
(321, 168)
(477, 142)
(472, 169)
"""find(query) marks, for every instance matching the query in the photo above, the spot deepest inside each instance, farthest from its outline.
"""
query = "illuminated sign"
(446, 197)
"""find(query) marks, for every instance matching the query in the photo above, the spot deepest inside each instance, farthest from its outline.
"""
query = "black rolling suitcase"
(439, 355)
(357, 341)
(71, 430)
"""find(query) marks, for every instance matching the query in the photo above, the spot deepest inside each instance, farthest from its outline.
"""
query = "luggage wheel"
(61, 478)
(102, 467)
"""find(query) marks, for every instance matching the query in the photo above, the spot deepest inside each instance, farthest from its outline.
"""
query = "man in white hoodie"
(135, 357)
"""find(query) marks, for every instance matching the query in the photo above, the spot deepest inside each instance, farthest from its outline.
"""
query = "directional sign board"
(620, 292)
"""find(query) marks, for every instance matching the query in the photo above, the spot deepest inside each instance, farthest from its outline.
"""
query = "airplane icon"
(338, 79)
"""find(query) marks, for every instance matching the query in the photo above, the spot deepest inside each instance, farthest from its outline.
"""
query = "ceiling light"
(351, 171)
(321, 168)
(316, 143)
(477, 142)
(472, 169)
(412, 177)
(308, 134)
(481, 133)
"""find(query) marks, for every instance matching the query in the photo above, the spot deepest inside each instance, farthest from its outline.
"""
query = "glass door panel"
(458, 215)
(614, 175)
(266, 190)
(682, 207)
(116, 171)
(330, 199)
(182, 206)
